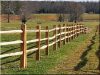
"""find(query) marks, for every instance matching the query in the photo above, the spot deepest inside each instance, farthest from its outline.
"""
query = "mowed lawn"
(10, 65)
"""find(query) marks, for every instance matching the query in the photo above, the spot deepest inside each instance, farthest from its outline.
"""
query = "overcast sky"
(68, 0)
(55, 0)
(81, 0)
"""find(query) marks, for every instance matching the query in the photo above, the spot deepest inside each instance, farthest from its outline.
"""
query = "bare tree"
(10, 7)
(25, 11)
(5, 8)
(76, 11)
(61, 11)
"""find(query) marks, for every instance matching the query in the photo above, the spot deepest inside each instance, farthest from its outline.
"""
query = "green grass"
(43, 18)
(46, 62)
(85, 16)
(93, 61)
(89, 61)
(93, 17)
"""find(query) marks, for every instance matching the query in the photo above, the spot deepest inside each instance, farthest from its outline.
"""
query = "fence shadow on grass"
(10, 50)
(98, 55)
(98, 51)
(17, 59)
(83, 57)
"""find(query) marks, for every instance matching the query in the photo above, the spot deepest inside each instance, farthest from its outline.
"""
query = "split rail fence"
(61, 34)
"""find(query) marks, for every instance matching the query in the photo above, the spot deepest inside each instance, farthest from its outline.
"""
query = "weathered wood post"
(77, 30)
(38, 36)
(70, 33)
(64, 30)
(67, 34)
(85, 30)
(59, 32)
(73, 31)
(23, 61)
(47, 41)
(55, 39)
(82, 29)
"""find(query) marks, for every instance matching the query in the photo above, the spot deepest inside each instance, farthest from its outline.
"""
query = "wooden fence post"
(64, 30)
(55, 39)
(47, 41)
(70, 33)
(82, 29)
(59, 32)
(23, 61)
(85, 30)
(67, 29)
(38, 36)
(73, 31)
(77, 30)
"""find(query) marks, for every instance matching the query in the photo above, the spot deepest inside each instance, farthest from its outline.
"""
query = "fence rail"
(63, 34)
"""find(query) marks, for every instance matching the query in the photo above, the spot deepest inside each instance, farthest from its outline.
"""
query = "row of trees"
(74, 9)
(49, 7)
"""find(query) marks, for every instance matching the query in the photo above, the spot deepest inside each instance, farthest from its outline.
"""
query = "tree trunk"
(8, 18)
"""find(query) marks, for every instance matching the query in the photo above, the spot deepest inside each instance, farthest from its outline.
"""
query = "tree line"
(74, 9)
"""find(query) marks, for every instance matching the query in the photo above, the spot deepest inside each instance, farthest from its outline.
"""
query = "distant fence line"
(61, 34)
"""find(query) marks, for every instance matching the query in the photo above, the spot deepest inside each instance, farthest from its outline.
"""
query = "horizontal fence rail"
(61, 34)
(10, 43)
(35, 40)
(11, 31)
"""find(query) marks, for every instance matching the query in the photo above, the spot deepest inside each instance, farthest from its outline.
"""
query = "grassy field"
(38, 18)
(91, 17)
(53, 17)
(84, 60)
(10, 65)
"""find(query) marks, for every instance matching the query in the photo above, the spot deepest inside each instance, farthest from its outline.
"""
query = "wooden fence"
(62, 34)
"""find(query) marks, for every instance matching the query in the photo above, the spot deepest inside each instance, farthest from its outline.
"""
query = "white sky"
(82, 0)
(68, 0)
(55, 0)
